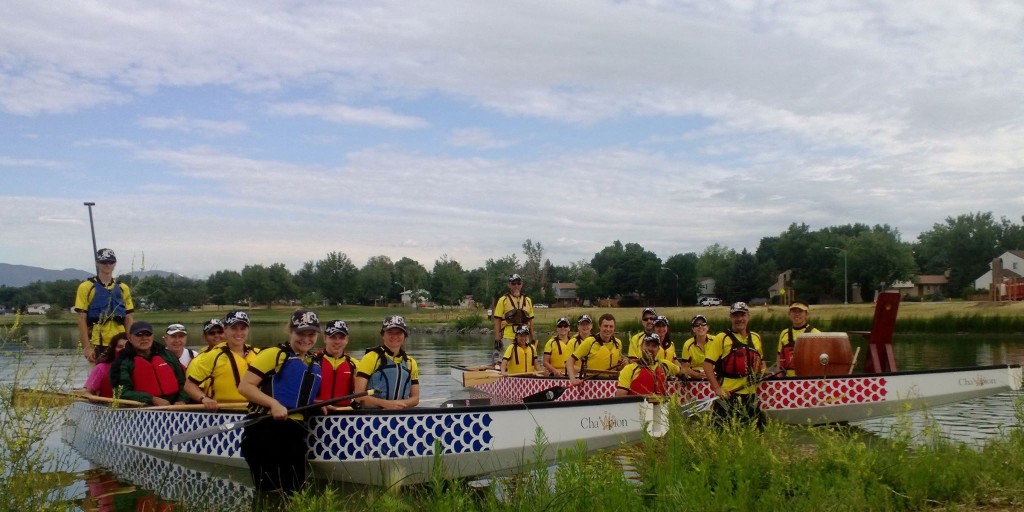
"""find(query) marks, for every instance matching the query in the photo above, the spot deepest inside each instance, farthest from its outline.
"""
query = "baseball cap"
(800, 305)
(235, 316)
(562, 322)
(175, 329)
(304, 320)
(515, 277)
(522, 329)
(211, 323)
(661, 319)
(105, 256)
(652, 338)
(336, 327)
(649, 311)
(140, 327)
(739, 307)
(584, 318)
(698, 318)
(394, 322)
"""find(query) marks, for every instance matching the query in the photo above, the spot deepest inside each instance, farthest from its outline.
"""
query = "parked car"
(710, 301)
(540, 306)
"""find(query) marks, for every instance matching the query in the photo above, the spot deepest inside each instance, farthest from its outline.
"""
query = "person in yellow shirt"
(521, 356)
(213, 333)
(668, 348)
(734, 360)
(584, 330)
(279, 379)
(649, 374)
(691, 356)
(104, 306)
(512, 310)
(388, 370)
(798, 313)
(647, 318)
(601, 352)
(558, 349)
(213, 376)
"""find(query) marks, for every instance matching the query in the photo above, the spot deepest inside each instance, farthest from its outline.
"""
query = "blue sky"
(214, 135)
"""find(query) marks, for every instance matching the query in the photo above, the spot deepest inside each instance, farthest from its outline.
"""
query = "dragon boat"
(825, 391)
(379, 447)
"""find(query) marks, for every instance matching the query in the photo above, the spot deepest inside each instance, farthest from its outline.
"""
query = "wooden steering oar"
(235, 425)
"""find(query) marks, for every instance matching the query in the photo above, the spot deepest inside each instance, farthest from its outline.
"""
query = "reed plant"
(33, 475)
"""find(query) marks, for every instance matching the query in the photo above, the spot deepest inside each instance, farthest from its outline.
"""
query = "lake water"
(48, 352)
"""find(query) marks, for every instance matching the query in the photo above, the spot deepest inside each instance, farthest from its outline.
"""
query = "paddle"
(235, 425)
(550, 394)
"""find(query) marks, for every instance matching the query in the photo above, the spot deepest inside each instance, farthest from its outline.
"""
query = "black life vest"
(517, 315)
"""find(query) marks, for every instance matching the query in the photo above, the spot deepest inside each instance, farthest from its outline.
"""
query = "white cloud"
(476, 138)
(32, 163)
(191, 125)
(344, 114)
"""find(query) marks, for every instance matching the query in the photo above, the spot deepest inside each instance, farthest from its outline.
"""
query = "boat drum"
(819, 354)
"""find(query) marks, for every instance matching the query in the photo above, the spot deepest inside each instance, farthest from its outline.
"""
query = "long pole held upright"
(92, 228)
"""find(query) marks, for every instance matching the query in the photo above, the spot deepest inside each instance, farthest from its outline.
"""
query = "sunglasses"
(700, 325)
(649, 319)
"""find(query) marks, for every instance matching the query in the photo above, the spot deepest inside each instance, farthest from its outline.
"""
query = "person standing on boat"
(512, 310)
(175, 339)
(214, 375)
(213, 334)
(798, 313)
(104, 306)
(388, 370)
(649, 374)
(691, 356)
(521, 356)
(278, 379)
(647, 318)
(146, 372)
(558, 349)
(734, 360)
(601, 353)
(98, 382)
(339, 368)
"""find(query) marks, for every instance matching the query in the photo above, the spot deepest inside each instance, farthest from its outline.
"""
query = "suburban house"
(564, 294)
(37, 309)
(1012, 267)
(415, 297)
(705, 287)
(921, 286)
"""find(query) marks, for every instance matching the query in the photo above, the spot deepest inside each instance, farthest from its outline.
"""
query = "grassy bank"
(914, 317)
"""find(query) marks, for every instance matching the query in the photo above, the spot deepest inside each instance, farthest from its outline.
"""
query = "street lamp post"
(845, 289)
(93, 230)
(677, 284)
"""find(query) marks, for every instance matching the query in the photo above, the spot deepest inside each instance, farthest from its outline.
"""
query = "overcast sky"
(217, 134)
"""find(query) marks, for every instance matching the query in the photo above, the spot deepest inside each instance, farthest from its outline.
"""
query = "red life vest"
(786, 354)
(741, 361)
(106, 389)
(155, 377)
(647, 381)
(338, 381)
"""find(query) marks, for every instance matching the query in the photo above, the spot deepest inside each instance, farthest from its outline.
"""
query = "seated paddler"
(145, 371)
(388, 370)
(213, 376)
(521, 355)
(648, 375)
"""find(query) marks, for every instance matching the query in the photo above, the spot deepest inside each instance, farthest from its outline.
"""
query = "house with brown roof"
(921, 286)
(565, 294)
(1009, 266)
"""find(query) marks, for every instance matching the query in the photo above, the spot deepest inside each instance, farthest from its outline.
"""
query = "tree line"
(874, 257)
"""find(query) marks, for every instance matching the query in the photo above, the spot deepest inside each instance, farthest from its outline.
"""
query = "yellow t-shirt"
(213, 373)
(520, 359)
(719, 346)
(599, 355)
(693, 354)
(508, 303)
(106, 328)
(559, 351)
(784, 339)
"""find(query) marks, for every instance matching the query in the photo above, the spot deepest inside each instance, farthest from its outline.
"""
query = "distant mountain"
(22, 275)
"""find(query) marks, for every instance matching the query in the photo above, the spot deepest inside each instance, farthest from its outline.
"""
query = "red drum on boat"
(822, 353)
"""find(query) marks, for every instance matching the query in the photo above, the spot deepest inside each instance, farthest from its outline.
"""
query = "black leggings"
(744, 407)
(276, 453)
